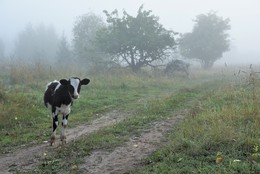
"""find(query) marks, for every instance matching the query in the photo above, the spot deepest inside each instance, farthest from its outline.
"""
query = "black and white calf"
(58, 98)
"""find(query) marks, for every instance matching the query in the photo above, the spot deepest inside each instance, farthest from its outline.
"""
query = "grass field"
(221, 137)
(220, 133)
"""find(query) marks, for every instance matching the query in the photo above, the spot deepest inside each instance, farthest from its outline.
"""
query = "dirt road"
(27, 158)
(127, 156)
(120, 160)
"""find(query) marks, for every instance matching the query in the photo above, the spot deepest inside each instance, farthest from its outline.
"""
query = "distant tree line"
(36, 43)
(131, 41)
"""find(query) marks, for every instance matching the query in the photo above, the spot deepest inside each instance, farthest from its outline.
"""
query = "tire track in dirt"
(126, 157)
(27, 158)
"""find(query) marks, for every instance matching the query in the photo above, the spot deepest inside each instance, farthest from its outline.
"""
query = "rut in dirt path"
(27, 158)
(129, 155)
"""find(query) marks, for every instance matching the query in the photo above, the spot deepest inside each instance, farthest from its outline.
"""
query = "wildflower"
(219, 160)
(74, 167)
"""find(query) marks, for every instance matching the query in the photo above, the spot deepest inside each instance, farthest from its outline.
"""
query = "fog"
(177, 15)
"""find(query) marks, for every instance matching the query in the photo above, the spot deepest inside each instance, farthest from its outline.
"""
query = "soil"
(120, 160)
(130, 155)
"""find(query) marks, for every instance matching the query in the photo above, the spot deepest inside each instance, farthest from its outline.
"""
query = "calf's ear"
(64, 82)
(84, 81)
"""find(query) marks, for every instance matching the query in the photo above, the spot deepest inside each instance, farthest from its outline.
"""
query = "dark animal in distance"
(58, 98)
(177, 66)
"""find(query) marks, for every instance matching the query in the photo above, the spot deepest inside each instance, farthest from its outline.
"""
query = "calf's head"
(74, 85)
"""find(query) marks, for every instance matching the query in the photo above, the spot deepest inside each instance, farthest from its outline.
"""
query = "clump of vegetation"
(2, 93)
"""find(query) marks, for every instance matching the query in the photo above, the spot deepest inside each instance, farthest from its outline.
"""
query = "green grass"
(19, 115)
(226, 128)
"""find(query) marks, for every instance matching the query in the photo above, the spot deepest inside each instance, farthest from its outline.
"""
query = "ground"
(120, 160)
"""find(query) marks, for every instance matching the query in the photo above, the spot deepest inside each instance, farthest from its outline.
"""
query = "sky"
(177, 15)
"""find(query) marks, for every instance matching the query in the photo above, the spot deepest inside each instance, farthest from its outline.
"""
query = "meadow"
(220, 132)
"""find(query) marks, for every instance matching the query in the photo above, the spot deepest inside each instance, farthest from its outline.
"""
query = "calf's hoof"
(63, 139)
(52, 140)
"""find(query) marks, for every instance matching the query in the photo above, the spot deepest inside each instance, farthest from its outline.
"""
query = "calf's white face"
(73, 86)
(75, 83)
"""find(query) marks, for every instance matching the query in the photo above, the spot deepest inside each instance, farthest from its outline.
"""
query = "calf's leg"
(54, 127)
(64, 125)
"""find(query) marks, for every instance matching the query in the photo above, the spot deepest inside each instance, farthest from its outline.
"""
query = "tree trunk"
(207, 64)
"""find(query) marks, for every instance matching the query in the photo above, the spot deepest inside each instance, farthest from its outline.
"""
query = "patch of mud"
(126, 157)
(28, 158)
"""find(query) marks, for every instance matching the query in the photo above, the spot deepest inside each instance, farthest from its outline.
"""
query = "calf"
(58, 98)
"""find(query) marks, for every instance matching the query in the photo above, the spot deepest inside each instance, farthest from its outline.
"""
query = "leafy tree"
(37, 43)
(135, 41)
(84, 34)
(208, 40)
(64, 53)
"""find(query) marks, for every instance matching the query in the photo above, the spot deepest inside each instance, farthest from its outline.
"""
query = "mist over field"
(57, 19)
(169, 86)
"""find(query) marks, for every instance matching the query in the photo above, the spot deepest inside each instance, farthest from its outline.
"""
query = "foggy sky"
(174, 14)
